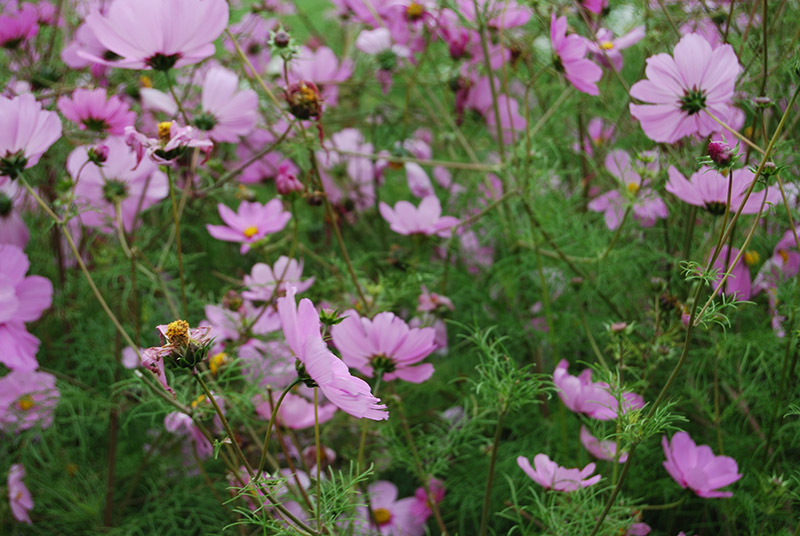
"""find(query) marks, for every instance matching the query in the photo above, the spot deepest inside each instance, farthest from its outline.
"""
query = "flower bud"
(721, 153)
(281, 38)
(287, 183)
(98, 154)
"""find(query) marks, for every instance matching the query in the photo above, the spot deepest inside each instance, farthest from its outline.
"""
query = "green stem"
(487, 495)
(175, 98)
(263, 461)
(177, 224)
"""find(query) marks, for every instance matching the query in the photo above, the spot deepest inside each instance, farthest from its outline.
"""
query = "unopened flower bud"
(287, 183)
(721, 153)
(619, 327)
(281, 38)
(98, 154)
(763, 101)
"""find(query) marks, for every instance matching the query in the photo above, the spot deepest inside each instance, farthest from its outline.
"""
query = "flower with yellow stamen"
(164, 131)
(178, 333)
(250, 232)
(26, 403)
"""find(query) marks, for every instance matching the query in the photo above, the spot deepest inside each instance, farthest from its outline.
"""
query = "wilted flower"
(304, 100)
(697, 468)
(720, 152)
(550, 475)
(182, 346)
(171, 143)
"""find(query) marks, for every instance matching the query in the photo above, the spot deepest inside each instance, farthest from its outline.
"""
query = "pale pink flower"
(19, 497)
(322, 67)
(385, 345)
(348, 177)
(12, 227)
(431, 301)
(231, 325)
(264, 279)
(550, 475)
(85, 40)
(301, 326)
(595, 399)
(153, 34)
(681, 88)
(28, 131)
(602, 450)
(171, 143)
(708, 189)
(27, 399)
(295, 411)
(599, 134)
(738, 283)
(606, 43)
(393, 517)
(92, 110)
(251, 222)
(697, 468)
(570, 51)
(18, 26)
(182, 424)
(426, 219)
(227, 112)
(118, 182)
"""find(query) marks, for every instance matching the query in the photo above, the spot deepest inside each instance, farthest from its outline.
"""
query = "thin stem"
(175, 98)
(487, 495)
(263, 461)
(487, 63)
(176, 223)
(318, 453)
(733, 131)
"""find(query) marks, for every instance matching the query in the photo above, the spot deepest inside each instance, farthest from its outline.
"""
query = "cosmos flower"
(393, 517)
(681, 88)
(153, 34)
(295, 412)
(708, 189)
(263, 279)
(697, 468)
(227, 113)
(348, 178)
(550, 475)
(172, 142)
(738, 283)
(595, 399)
(12, 227)
(250, 223)
(611, 46)
(602, 450)
(28, 131)
(426, 219)
(92, 110)
(27, 399)
(385, 344)
(18, 26)
(19, 497)
(570, 51)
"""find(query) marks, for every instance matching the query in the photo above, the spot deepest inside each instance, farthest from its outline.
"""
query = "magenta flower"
(27, 399)
(422, 506)
(595, 6)
(708, 189)
(602, 450)
(263, 279)
(570, 51)
(385, 344)
(12, 227)
(606, 42)
(99, 190)
(393, 517)
(227, 112)
(595, 399)
(697, 468)
(301, 327)
(22, 299)
(679, 89)
(250, 223)
(18, 26)
(171, 143)
(407, 219)
(153, 34)
(28, 131)
(92, 110)
(295, 411)
(550, 475)
(18, 495)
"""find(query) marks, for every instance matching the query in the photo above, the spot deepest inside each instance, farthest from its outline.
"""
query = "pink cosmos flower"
(426, 219)
(550, 475)
(262, 282)
(295, 411)
(171, 143)
(252, 33)
(271, 164)
(393, 517)
(348, 177)
(612, 46)
(679, 89)
(18, 26)
(422, 506)
(431, 301)
(19, 497)
(697, 468)
(738, 283)
(153, 34)
(85, 40)
(378, 43)
(251, 222)
(92, 110)
(227, 112)
(581, 395)
(385, 344)
(570, 51)
(323, 68)
(708, 189)
(27, 399)
(602, 450)
(301, 326)
(28, 131)
(181, 424)
(118, 182)
(595, 6)
(227, 324)
(12, 227)
(22, 299)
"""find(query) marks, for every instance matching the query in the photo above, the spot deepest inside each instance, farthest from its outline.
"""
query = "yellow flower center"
(250, 232)
(633, 187)
(414, 11)
(606, 45)
(197, 401)
(748, 131)
(164, 131)
(145, 81)
(217, 361)
(26, 403)
(178, 333)
(382, 516)
(751, 257)
(784, 255)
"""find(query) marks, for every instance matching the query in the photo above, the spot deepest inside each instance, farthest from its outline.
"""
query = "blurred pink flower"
(19, 497)
(550, 475)
(85, 40)
(602, 450)
(679, 89)
(301, 326)
(28, 131)
(27, 399)
(595, 6)
(295, 411)
(393, 517)
(182, 424)
(430, 301)
(348, 177)
(18, 26)
(385, 344)
(153, 34)
(738, 283)
(12, 227)
(227, 113)
(92, 110)
(697, 468)
(422, 506)
(263, 279)
(407, 219)
(708, 189)
(581, 395)
(612, 46)
(570, 51)
(251, 222)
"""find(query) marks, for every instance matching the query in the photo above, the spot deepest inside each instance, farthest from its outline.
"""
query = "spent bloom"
(582, 395)
(264, 279)
(171, 143)
(708, 189)
(153, 34)
(570, 57)
(301, 327)
(19, 497)
(93, 110)
(227, 113)
(28, 131)
(250, 223)
(426, 219)
(385, 345)
(181, 345)
(697, 468)
(550, 475)
(27, 399)
(681, 90)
